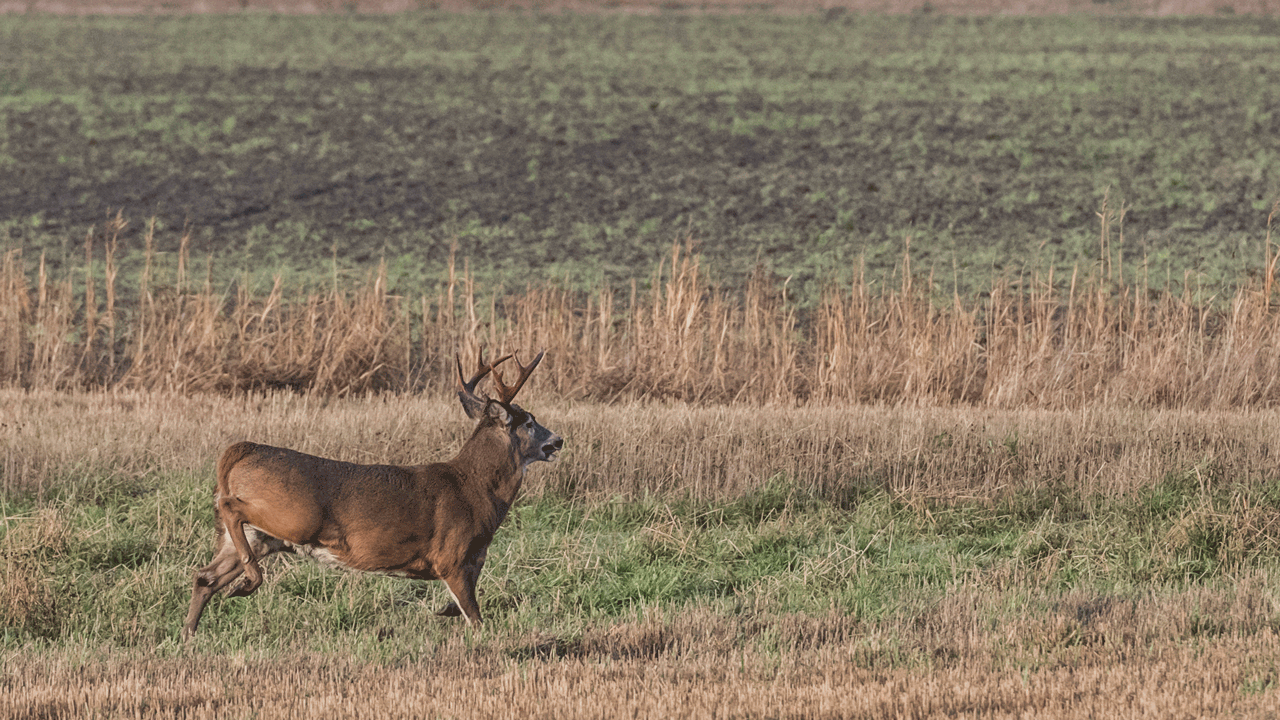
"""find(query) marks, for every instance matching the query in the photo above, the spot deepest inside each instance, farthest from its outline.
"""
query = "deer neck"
(491, 464)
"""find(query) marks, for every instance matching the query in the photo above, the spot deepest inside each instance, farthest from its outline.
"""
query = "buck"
(428, 522)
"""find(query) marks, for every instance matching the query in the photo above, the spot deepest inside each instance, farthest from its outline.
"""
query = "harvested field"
(1164, 682)
(576, 148)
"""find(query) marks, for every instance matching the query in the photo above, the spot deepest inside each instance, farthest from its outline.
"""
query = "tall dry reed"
(1097, 335)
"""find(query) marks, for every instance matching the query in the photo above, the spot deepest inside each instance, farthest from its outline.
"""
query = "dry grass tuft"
(29, 543)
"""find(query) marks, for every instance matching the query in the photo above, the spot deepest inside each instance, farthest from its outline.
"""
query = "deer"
(426, 522)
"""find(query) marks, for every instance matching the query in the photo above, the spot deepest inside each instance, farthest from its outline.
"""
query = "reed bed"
(1098, 335)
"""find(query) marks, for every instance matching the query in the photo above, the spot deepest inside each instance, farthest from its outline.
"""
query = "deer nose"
(553, 446)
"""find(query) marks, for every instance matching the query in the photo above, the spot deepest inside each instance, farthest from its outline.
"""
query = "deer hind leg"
(225, 568)
(450, 609)
(210, 579)
(246, 552)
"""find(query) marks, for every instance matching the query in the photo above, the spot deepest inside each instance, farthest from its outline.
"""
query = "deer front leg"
(462, 585)
(467, 577)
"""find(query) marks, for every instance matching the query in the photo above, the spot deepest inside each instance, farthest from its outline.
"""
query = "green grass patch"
(114, 569)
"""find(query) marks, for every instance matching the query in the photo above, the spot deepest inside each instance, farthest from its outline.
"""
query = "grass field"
(676, 562)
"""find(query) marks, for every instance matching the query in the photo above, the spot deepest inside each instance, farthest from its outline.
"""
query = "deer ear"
(497, 411)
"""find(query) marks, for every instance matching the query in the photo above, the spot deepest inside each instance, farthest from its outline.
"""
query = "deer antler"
(472, 403)
(508, 393)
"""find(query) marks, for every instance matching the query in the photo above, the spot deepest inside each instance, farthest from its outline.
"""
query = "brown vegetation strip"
(630, 450)
(1078, 339)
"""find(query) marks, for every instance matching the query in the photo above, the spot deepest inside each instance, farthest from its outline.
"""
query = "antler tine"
(483, 369)
(508, 393)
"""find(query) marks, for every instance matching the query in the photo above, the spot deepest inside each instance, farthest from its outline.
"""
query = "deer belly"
(322, 555)
(330, 559)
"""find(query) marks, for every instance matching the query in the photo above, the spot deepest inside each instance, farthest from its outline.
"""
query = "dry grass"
(55, 442)
(52, 441)
(182, 336)
(1086, 338)
(25, 597)
(1130, 659)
